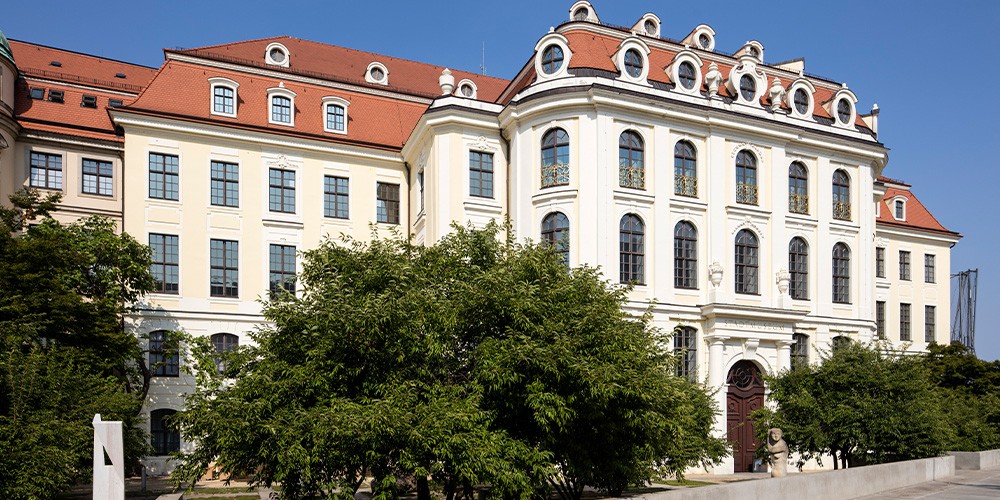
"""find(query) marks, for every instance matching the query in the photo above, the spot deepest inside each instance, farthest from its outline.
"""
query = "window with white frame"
(224, 96)
(335, 115)
(281, 106)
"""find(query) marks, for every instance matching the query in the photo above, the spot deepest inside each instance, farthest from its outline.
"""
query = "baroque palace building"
(744, 200)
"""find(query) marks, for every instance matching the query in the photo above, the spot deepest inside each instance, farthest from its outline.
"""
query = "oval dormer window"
(704, 41)
(748, 87)
(466, 90)
(754, 51)
(843, 111)
(581, 14)
(277, 55)
(686, 75)
(650, 27)
(377, 74)
(552, 59)
(801, 100)
(633, 63)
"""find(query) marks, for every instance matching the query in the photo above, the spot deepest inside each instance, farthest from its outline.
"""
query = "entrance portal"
(746, 394)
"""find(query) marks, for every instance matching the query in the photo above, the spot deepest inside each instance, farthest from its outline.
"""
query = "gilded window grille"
(842, 210)
(686, 185)
(556, 174)
(631, 175)
(746, 193)
(798, 203)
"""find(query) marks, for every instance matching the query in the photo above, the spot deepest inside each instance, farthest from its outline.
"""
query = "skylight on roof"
(119, 75)
(56, 64)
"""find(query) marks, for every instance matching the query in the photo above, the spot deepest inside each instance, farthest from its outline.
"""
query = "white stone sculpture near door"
(109, 480)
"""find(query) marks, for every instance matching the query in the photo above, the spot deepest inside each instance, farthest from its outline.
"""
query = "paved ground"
(969, 484)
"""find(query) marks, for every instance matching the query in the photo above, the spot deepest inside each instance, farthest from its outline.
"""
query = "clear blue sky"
(932, 67)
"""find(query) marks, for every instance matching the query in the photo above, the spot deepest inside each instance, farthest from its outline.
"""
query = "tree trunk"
(835, 459)
(423, 489)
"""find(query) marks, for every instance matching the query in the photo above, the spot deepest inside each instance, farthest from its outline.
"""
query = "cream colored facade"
(594, 105)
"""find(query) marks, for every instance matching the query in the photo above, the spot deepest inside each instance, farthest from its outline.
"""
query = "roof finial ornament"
(552, 29)
(712, 79)
(777, 94)
(447, 82)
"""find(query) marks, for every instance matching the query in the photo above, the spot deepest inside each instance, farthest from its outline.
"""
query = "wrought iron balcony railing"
(746, 193)
(686, 185)
(842, 210)
(556, 174)
(798, 203)
(632, 176)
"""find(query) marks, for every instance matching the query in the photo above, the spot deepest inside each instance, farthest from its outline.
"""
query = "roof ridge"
(144, 89)
(217, 45)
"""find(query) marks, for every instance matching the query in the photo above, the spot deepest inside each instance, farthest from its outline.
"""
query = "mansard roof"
(918, 217)
(75, 75)
(341, 64)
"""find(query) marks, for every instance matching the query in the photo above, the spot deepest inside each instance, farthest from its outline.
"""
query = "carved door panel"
(746, 394)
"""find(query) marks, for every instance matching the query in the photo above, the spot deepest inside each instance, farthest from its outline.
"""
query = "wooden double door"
(745, 394)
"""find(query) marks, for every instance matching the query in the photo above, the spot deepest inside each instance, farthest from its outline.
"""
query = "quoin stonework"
(744, 198)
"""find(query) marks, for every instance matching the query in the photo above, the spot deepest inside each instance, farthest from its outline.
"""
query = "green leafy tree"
(861, 404)
(475, 361)
(969, 390)
(64, 354)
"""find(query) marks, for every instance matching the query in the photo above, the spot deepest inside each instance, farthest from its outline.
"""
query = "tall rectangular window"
(46, 171)
(224, 262)
(281, 193)
(165, 268)
(930, 317)
(880, 319)
(223, 100)
(387, 203)
(929, 268)
(336, 197)
(225, 184)
(98, 177)
(164, 360)
(164, 172)
(880, 262)
(904, 265)
(904, 322)
(481, 174)
(282, 268)
(686, 345)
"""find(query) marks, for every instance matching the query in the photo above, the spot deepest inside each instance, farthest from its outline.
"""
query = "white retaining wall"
(832, 485)
(976, 460)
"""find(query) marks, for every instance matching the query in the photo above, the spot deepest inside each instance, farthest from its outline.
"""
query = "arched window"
(685, 169)
(552, 59)
(798, 267)
(746, 178)
(841, 195)
(800, 350)
(163, 358)
(746, 262)
(686, 344)
(685, 255)
(555, 158)
(224, 342)
(798, 190)
(840, 341)
(281, 109)
(633, 63)
(632, 249)
(555, 232)
(687, 75)
(164, 437)
(841, 274)
(631, 170)
(223, 100)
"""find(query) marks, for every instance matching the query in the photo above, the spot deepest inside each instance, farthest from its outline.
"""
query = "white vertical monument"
(109, 480)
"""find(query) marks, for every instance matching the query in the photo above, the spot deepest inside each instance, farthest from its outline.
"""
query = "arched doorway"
(746, 394)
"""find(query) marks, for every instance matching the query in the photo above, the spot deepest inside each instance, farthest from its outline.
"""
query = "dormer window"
(377, 73)
(704, 41)
(844, 111)
(37, 93)
(335, 114)
(223, 96)
(686, 75)
(552, 59)
(633, 63)
(467, 89)
(89, 101)
(900, 212)
(56, 96)
(754, 51)
(748, 87)
(281, 102)
(276, 54)
(801, 101)
(650, 27)
(581, 14)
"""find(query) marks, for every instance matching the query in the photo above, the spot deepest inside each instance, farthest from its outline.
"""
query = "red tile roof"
(182, 90)
(341, 64)
(68, 117)
(917, 215)
(35, 60)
